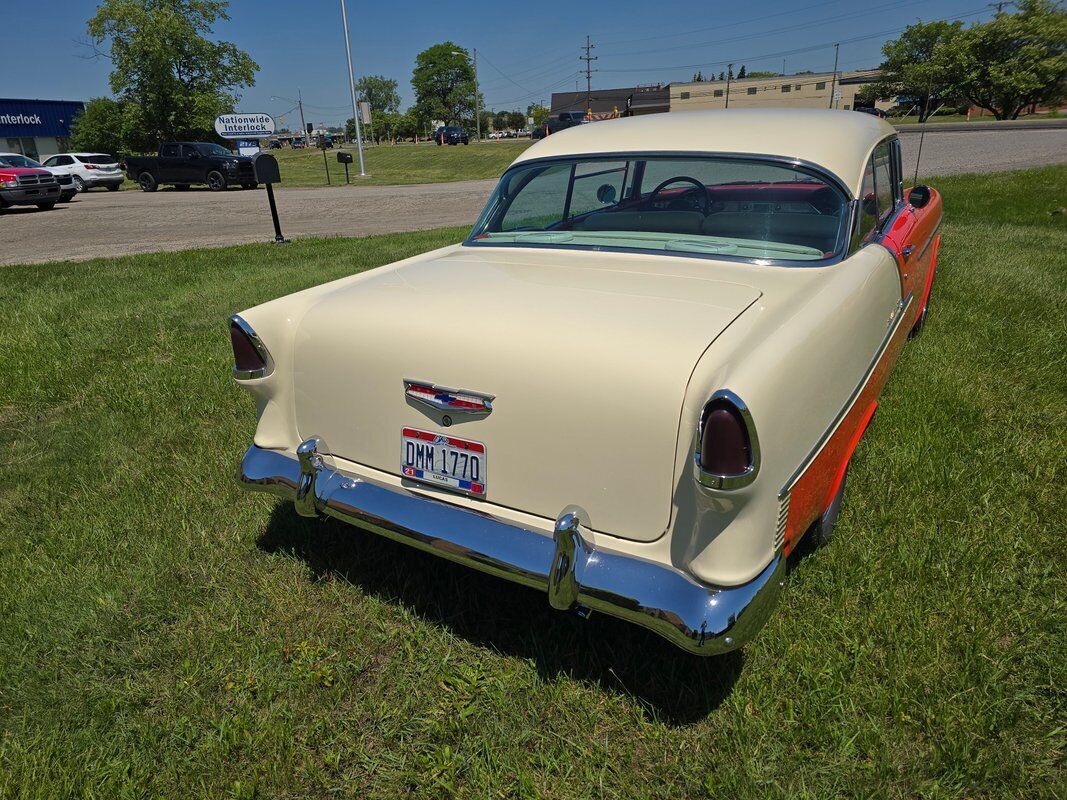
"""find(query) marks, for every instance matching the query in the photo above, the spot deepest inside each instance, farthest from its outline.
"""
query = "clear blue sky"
(526, 49)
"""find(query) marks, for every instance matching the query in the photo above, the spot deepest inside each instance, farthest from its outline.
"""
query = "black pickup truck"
(183, 163)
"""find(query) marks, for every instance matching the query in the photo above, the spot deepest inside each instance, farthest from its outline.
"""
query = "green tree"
(516, 120)
(172, 79)
(500, 121)
(915, 66)
(1012, 61)
(539, 113)
(444, 86)
(99, 129)
(741, 72)
(698, 77)
(761, 74)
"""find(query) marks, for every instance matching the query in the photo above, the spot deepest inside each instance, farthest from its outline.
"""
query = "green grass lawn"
(402, 163)
(165, 635)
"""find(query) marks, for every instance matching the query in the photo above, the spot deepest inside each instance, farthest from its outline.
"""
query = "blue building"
(36, 128)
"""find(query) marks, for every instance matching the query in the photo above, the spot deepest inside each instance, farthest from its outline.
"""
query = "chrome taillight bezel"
(735, 481)
(260, 348)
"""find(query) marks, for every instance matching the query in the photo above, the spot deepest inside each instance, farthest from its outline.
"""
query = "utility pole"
(352, 87)
(833, 83)
(588, 59)
(303, 125)
(729, 77)
(477, 107)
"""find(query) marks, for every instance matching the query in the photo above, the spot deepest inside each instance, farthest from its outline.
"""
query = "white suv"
(87, 169)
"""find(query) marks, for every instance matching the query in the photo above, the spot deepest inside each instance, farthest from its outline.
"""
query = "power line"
(779, 54)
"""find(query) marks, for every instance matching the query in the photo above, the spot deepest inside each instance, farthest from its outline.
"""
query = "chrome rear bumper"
(704, 620)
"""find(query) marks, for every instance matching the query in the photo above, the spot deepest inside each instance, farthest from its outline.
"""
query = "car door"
(193, 165)
(910, 232)
(60, 165)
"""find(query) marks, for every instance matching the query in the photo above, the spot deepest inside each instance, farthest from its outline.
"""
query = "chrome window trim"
(891, 330)
(257, 343)
(817, 170)
(877, 232)
(727, 482)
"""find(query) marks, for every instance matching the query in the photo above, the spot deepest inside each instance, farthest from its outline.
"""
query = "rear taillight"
(727, 451)
(250, 357)
(89, 166)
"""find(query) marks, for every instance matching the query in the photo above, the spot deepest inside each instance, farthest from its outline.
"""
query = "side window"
(868, 211)
(188, 150)
(169, 151)
(596, 185)
(883, 181)
(539, 204)
(52, 162)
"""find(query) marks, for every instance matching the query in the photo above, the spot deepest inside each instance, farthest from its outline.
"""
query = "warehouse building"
(36, 128)
(807, 90)
(625, 102)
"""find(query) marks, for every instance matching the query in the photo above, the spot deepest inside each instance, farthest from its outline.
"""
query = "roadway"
(108, 224)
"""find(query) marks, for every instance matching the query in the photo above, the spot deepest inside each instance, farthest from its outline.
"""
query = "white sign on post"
(364, 113)
(244, 126)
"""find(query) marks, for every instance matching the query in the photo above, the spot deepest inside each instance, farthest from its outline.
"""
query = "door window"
(597, 185)
(169, 151)
(539, 202)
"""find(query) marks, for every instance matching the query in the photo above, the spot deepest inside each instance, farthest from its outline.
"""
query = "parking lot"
(107, 224)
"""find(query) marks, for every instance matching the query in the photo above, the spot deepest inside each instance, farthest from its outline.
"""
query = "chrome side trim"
(704, 620)
(930, 240)
(249, 374)
(783, 518)
(711, 479)
(894, 325)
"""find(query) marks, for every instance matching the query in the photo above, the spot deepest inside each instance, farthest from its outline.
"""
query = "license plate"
(445, 461)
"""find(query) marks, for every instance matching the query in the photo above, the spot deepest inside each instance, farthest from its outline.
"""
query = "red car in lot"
(27, 186)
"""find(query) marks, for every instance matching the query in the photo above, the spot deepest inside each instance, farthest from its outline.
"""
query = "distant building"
(36, 128)
(626, 102)
(810, 90)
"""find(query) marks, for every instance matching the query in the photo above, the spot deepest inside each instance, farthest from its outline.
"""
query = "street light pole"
(477, 106)
(352, 87)
(729, 77)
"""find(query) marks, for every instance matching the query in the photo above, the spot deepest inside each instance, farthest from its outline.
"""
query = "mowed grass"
(166, 635)
(402, 163)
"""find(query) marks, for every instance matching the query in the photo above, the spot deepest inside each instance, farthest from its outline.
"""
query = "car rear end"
(100, 169)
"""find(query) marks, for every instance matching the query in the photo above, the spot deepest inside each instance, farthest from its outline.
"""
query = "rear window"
(740, 208)
(97, 159)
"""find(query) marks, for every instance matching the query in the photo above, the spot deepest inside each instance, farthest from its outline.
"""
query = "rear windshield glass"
(700, 205)
(97, 159)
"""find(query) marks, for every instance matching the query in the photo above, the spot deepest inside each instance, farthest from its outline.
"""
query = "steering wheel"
(702, 190)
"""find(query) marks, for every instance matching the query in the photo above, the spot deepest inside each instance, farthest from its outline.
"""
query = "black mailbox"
(344, 158)
(265, 168)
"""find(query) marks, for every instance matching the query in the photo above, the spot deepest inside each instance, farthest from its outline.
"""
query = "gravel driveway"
(118, 223)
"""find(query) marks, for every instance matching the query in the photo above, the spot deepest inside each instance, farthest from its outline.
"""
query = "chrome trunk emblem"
(450, 402)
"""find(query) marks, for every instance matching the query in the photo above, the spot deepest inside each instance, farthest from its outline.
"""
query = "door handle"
(907, 250)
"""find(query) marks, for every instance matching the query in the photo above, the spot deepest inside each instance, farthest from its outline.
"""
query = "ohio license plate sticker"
(444, 461)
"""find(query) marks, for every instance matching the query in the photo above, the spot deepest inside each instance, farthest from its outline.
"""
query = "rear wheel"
(216, 181)
(47, 206)
(147, 182)
(79, 184)
(920, 321)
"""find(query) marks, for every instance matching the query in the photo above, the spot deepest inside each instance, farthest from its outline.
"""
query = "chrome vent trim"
(783, 517)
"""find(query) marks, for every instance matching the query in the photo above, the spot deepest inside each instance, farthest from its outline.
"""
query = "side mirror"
(606, 194)
(919, 196)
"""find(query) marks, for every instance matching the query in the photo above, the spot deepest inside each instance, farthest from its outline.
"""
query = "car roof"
(85, 154)
(840, 142)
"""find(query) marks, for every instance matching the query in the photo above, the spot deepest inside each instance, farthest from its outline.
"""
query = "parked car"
(66, 184)
(877, 112)
(274, 144)
(687, 342)
(24, 185)
(182, 164)
(449, 134)
(560, 122)
(87, 170)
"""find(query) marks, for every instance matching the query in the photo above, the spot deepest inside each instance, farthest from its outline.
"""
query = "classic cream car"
(664, 337)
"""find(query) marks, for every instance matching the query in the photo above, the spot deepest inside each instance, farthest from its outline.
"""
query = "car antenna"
(922, 135)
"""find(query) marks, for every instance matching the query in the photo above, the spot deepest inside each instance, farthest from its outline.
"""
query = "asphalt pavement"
(107, 224)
